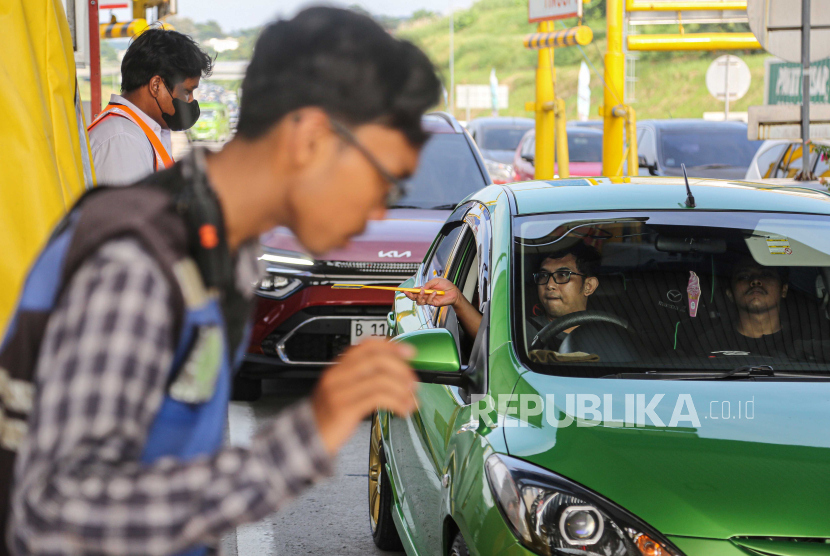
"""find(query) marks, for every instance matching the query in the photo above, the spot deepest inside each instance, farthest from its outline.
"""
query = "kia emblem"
(394, 254)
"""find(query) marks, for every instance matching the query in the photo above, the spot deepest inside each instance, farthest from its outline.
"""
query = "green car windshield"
(634, 292)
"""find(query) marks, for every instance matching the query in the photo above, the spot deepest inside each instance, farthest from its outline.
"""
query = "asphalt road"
(331, 518)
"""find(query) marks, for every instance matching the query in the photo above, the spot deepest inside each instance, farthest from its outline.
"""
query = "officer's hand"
(372, 375)
(450, 297)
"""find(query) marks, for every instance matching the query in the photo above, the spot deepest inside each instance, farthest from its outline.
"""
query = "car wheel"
(459, 546)
(246, 389)
(380, 494)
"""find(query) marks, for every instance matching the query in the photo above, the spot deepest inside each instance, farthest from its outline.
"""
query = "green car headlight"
(554, 516)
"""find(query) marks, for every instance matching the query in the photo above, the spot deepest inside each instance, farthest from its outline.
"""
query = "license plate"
(362, 329)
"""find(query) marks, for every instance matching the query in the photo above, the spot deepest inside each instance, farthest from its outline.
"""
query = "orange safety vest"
(161, 158)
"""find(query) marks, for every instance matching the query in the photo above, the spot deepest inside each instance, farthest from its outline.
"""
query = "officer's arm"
(102, 374)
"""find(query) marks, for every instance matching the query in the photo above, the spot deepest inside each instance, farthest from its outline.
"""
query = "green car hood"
(768, 475)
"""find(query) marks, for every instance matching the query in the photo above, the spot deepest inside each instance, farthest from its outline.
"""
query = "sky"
(241, 14)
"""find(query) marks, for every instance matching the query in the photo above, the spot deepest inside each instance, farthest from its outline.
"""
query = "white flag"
(583, 93)
(494, 91)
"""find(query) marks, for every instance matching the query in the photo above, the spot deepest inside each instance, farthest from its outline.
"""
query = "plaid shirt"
(101, 378)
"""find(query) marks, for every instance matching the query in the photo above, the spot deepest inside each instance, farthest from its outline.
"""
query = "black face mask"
(184, 116)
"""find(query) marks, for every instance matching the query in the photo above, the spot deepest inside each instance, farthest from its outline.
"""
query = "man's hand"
(450, 297)
(372, 375)
(468, 316)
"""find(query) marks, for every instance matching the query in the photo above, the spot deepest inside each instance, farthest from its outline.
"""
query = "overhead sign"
(777, 25)
(782, 82)
(544, 10)
(728, 77)
(784, 122)
(478, 96)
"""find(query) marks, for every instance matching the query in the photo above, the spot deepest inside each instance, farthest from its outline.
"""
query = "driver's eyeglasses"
(397, 186)
(559, 276)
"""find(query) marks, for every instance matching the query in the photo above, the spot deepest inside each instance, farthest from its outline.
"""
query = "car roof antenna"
(690, 199)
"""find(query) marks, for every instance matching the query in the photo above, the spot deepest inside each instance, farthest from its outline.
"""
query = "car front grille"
(319, 340)
(316, 348)
(351, 267)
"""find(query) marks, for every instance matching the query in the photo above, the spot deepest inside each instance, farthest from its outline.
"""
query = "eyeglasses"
(397, 186)
(559, 276)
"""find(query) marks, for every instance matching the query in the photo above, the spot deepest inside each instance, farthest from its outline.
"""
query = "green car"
(213, 123)
(650, 376)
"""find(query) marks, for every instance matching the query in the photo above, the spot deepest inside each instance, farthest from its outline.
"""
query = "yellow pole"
(631, 132)
(562, 160)
(612, 139)
(543, 159)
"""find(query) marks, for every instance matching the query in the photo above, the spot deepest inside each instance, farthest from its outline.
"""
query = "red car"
(584, 153)
(300, 321)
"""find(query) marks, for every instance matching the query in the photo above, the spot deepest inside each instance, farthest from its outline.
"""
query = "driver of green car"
(564, 280)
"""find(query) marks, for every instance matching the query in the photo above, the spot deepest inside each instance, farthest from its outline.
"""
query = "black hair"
(783, 272)
(342, 62)
(587, 258)
(169, 54)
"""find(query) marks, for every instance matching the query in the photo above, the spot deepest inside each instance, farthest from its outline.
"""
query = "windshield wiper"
(405, 207)
(745, 372)
(444, 207)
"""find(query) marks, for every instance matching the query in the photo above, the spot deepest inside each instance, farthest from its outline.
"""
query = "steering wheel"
(580, 318)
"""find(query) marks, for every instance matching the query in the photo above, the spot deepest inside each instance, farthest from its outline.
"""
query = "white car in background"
(778, 161)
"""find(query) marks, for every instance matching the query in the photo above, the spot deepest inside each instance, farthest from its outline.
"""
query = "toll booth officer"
(116, 364)
(131, 136)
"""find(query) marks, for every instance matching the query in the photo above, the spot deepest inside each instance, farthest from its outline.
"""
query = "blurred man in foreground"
(118, 362)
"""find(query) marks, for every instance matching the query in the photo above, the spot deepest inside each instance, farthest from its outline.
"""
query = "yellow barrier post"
(694, 41)
(562, 157)
(545, 78)
(550, 112)
(612, 138)
(631, 133)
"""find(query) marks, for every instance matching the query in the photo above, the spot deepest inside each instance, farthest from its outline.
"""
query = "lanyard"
(161, 156)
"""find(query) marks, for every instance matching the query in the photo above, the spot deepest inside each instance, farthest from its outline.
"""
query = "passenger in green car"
(757, 292)
(564, 280)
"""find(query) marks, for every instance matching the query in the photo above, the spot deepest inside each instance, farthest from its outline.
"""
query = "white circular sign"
(777, 26)
(728, 74)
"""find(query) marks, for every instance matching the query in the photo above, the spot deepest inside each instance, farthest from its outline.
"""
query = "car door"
(421, 439)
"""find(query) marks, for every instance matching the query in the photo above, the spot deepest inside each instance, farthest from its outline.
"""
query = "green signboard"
(782, 82)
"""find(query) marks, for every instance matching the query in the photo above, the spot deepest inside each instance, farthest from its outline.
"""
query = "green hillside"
(490, 33)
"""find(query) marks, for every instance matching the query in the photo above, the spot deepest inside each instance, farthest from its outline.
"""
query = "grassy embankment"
(489, 34)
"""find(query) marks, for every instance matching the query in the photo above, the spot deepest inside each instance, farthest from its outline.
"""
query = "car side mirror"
(436, 361)
(643, 163)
